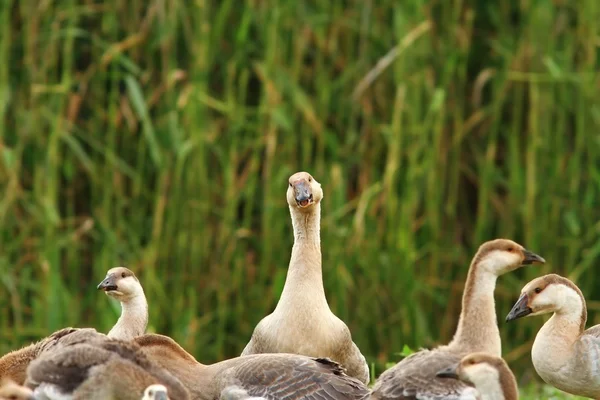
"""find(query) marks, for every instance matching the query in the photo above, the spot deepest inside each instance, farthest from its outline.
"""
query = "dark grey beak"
(532, 258)
(449, 372)
(302, 193)
(161, 396)
(520, 309)
(109, 283)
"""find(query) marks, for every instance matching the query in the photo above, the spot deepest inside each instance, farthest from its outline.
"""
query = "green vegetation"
(161, 134)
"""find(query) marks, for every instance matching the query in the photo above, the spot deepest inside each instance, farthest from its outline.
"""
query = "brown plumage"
(302, 323)
(272, 376)
(477, 330)
(100, 369)
(13, 365)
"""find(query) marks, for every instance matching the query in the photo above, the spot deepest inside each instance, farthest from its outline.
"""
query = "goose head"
(10, 390)
(500, 256)
(121, 284)
(486, 372)
(550, 293)
(155, 392)
(303, 191)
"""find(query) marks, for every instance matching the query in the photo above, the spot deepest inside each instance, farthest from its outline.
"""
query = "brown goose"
(98, 369)
(491, 376)
(121, 284)
(564, 354)
(14, 364)
(271, 376)
(477, 331)
(302, 322)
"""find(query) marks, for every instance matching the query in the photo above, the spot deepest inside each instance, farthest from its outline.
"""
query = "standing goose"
(270, 376)
(564, 354)
(477, 331)
(101, 369)
(121, 283)
(14, 365)
(302, 322)
(490, 375)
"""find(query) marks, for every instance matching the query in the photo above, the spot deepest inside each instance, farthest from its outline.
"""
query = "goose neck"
(477, 325)
(133, 320)
(307, 225)
(304, 281)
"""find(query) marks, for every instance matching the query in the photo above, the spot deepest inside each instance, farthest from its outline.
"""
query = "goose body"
(121, 284)
(302, 322)
(415, 377)
(491, 376)
(101, 369)
(564, 354)
(14, 365)
(270, 376)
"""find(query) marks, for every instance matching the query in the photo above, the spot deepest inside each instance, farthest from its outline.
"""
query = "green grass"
(161, 135)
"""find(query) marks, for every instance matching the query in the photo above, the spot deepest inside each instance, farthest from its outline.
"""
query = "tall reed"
(160, 134)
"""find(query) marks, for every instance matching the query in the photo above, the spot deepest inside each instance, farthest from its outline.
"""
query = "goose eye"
(537, 290)
(309, 179)
(290, 185)
(511, 249)
(123, 275)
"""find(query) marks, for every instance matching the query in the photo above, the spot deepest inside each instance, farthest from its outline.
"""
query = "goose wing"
(414, 378)
(68, 367)
(291, 377)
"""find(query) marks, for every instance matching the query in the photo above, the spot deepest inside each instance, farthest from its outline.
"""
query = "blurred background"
(160, 135)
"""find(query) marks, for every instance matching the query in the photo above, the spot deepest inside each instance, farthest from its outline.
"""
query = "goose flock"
(302, 350)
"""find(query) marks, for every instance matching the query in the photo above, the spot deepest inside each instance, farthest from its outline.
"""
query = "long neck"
(14, 364)
(305, 277)
(477, 326)
(133, 320)
(567, 324)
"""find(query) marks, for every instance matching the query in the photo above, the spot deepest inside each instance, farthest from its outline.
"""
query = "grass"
(161, 135)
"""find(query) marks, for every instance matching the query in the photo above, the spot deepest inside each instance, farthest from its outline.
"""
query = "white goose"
(477, 331)
(302, 323)
(121, 283)
(564, 354)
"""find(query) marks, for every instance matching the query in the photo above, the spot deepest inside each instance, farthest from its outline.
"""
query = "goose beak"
(530, 258)
(520, 309)
(161, 396)
(449, 372)
(302, 193)
(108, 284)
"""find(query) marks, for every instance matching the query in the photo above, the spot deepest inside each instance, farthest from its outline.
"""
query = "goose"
(13, 365)
(491, 376)
(155, 392)
(302, 322)
(10, 390)
(477, 330)
(121, 284)
(271, 376)
(564, 354)
(98, 369)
